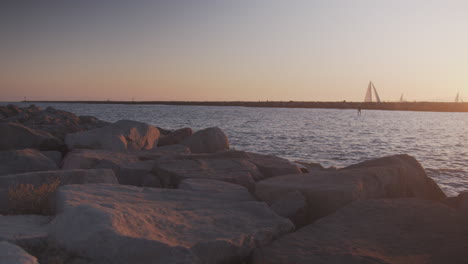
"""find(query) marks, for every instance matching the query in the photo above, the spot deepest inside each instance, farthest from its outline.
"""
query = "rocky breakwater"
(80, 190)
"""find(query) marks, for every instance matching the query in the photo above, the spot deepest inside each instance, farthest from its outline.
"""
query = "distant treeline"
(398, 106)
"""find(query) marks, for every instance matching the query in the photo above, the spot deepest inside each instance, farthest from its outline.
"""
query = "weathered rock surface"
(231, 166)
(51, 120)
(24, 229)
(17, 136)
(227, 191)
(292, 205)
(53, 155)
(24, 160)
(397, 231)
(175, 137)
(272, 166)
(13, 254)
(65, 177)
(417, 182)
(326, 191)
(208, 140)
(119, 136)
(128, 167)
(126, 224)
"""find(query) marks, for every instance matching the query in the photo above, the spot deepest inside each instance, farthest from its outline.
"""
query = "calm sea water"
(327, 136)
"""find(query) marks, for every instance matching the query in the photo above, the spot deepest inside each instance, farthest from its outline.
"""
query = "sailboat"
(401, 99)
(458, 99)
(368, 97)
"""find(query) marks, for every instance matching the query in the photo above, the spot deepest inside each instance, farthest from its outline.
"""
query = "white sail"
(401, 98)
(368, 97)
(377, 98)
(371, 89)
(457, 98)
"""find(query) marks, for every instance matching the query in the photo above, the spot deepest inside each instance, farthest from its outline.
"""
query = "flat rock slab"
(395, 231)
(24, 160)
(126, 224)
(24, 229)
(12, 254)
(226, 191)
(129, 168)
(238, 167)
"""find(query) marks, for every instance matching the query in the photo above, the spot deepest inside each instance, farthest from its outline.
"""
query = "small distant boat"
(458, 99)
(368, 97)
(401, 99)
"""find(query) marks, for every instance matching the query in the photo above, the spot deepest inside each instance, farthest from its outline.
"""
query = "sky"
(223, 50)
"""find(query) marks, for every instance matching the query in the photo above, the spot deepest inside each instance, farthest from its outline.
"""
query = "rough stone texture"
(126, 224)
(172, 171)
(24, 229)
(228, 191)
(307, 167)
(271, 166)
(292, 205)
(395, 231)
(175, 137)
(24, 160)
(119, 136)
(12, 254)
(238, 167)
(164, 151)
(208, 140)
(54, 121)
(417, 181)
(77, 176)
(128, 167)
(17, 136)
(53, 155)
(327, 191)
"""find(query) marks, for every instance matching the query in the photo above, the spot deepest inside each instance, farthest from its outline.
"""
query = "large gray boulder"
(228, 191)
(64, 177)
(417, 182)
(10, 253)
(126, 224)
(129, 168)
(17, 136)
(393, 231)
(175, 137)
(326, 191)
(120, 136)
(24, 160)
(292, 205)
(208, 140)
(24, 229)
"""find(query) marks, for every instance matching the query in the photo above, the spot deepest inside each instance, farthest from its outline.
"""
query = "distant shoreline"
(392, 106)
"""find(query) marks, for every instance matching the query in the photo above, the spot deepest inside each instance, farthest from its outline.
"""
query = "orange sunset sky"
(233, 50)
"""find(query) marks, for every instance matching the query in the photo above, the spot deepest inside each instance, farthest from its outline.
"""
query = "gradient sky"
(251, 50)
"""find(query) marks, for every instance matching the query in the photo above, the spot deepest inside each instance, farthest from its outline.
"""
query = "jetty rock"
(232, 166)
(56, 122)
(10, 253)
(208, 140)
(122, 135)
(393, 231)
(175, 137)
(24, 160)
(127, 224)
(17, 136)
(29, 230)
(326, 191)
